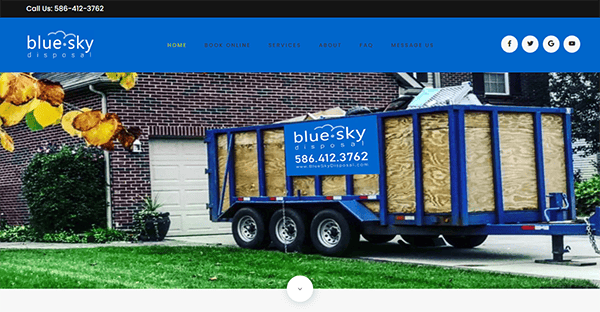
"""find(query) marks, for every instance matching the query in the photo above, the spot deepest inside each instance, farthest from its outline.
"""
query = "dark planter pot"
(162, 223)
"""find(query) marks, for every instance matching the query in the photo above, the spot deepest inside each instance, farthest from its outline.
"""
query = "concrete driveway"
(499, 253)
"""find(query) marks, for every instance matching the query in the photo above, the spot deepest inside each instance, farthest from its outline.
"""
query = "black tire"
(420, 240)
(332, 234)
(378, 239)
(249, 229)
(465, 241)
(296, 231)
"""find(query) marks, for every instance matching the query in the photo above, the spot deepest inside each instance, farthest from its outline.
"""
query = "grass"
(229, 267)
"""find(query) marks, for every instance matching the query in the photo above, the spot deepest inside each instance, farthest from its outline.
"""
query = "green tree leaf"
(32, 123)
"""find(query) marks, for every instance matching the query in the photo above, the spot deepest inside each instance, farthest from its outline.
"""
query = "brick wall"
(454, 79)
(188, 103)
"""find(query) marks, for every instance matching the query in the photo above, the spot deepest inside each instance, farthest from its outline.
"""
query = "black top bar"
(294, 8)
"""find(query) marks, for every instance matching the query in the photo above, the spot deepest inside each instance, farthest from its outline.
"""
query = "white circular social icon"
(509, 44)
(299, 288)
(530, 44)
(572, 44)
(551, 44)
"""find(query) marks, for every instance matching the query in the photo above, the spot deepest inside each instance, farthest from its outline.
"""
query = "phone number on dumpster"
(331, 158)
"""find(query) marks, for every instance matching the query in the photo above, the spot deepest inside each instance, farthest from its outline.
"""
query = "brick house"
(175, 109)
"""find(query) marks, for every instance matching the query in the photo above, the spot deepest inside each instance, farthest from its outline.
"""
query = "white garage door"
(178, 179)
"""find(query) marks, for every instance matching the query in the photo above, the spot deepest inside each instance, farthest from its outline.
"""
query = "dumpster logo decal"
(332, 147)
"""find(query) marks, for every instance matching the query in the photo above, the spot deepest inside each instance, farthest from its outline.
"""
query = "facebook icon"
(509, 44)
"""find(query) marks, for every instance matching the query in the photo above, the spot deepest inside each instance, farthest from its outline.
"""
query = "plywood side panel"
(480, 170)
(434, 121)
(274, 150)
(366, 184)
(222, 162)
(517, 152)
(400, 166)
(554, 154)
(436, 163)
(333, 185)
(246, 164)
(306, 185)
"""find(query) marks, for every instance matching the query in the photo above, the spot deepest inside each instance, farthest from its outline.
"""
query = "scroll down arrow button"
(299, 288)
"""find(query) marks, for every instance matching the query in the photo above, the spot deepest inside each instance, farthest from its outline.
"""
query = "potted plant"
(152, 225)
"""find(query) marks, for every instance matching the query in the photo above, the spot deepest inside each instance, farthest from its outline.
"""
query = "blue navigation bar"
(301, 44)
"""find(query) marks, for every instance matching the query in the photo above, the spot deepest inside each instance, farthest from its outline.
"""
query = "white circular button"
(572, 44)
(299, 288)
(509, 44)
(530, 44)
(551, 44)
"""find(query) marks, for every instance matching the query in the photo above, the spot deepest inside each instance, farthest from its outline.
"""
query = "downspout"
(437, 80)
(106, 166)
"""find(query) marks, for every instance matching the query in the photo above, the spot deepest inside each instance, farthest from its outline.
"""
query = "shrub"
(99, 235)
(64, 189)
(587, 194)
(63, 237)
(20, 233)
(24, 233)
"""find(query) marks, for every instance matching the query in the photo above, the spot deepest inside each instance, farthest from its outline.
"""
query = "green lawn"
(229, 267)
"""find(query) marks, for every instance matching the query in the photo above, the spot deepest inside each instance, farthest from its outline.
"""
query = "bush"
(65, 189)
(18, 233)
(587, 194)
(24, 233)
(99, 235)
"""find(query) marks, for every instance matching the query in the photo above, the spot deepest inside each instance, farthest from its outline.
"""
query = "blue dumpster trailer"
(461, 171)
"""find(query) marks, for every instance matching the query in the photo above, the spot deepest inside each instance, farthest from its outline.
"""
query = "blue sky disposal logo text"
(59, 45)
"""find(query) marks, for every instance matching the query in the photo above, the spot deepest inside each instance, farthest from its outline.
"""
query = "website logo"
(59, 45)
(329, 133)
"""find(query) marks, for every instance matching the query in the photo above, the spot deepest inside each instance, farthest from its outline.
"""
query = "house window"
(496, 83)
(421, 77)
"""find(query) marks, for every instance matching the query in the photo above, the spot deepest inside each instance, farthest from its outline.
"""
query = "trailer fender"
(228, 214)
(358, 210)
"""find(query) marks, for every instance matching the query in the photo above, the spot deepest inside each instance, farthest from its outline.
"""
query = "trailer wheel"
(291, 231)
(378, 239)
(332, 234)
(465, 241)
(249, 229)
(420, 240)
